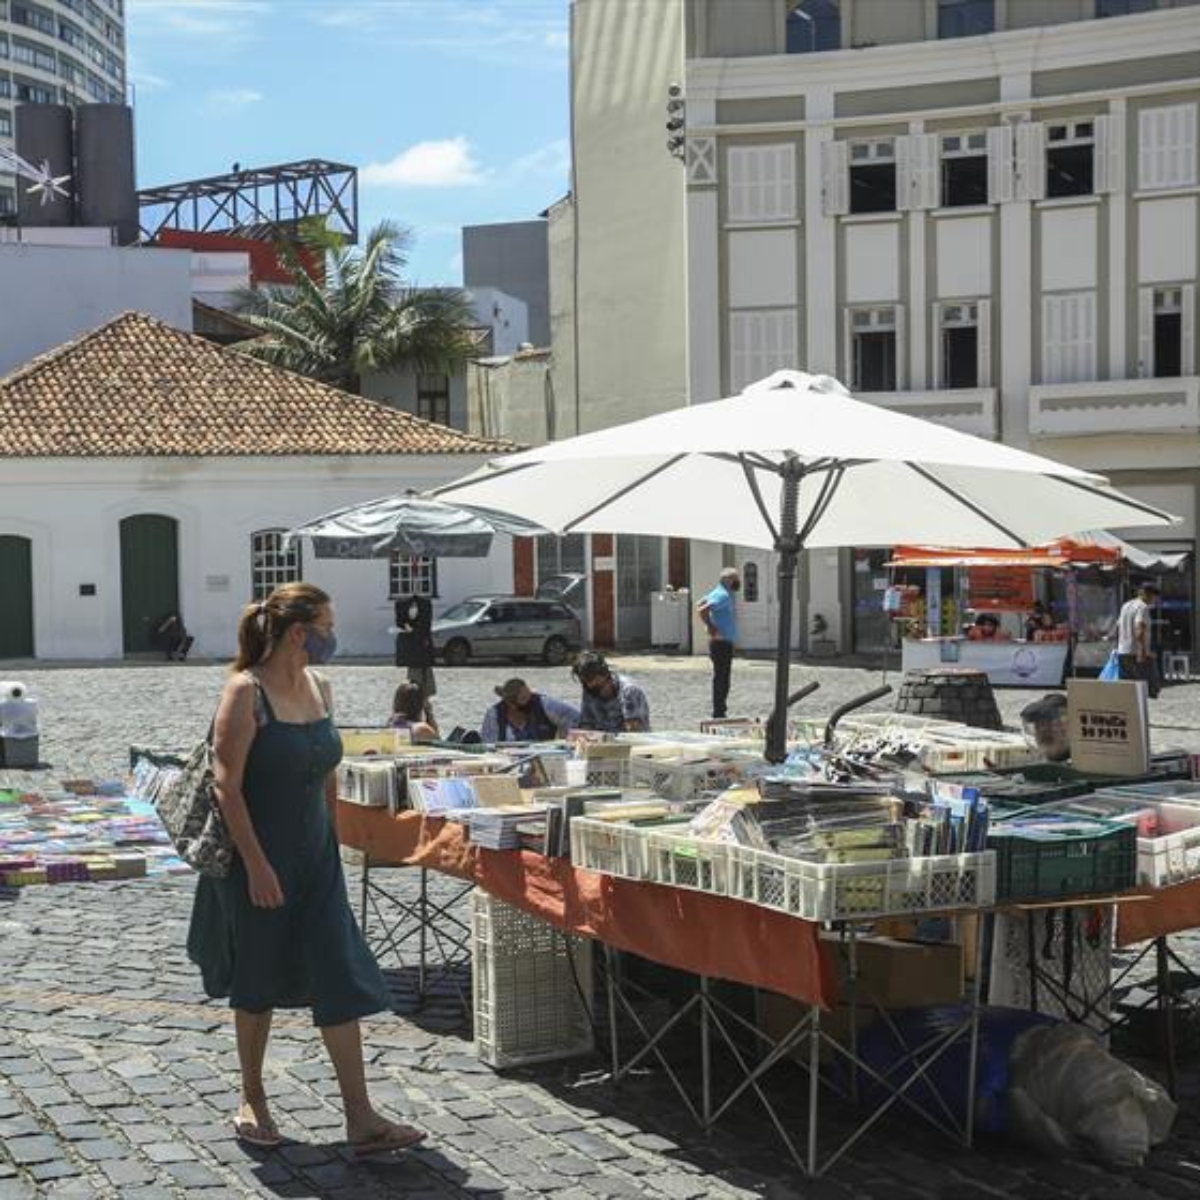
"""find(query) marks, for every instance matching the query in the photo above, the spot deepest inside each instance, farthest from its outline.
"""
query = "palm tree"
(358, 316)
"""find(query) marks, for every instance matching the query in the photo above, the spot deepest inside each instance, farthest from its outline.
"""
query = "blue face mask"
(320, 647)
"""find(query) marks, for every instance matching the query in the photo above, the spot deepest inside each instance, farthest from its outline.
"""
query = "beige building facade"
(982, 212)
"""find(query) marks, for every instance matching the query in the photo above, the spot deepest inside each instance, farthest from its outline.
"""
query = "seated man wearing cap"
(523, 715)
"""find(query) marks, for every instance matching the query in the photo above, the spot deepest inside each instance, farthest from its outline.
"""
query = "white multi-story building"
(983, 212)
(57, 52)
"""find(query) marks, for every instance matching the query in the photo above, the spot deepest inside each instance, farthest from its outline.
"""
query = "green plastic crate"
(1029, 868)
(1025, 786)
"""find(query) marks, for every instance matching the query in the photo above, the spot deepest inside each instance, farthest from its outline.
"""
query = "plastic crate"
(1029, 868)
(611, 847)
(607, 764)
(680, 779)
(857, 891)
(1017, 788)
(1181, 791)
(1170, 856)
(682, 861)
(530, 981)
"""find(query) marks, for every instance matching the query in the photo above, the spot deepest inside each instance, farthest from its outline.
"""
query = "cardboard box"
(900, 974)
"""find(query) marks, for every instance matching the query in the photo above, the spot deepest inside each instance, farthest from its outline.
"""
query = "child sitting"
(410, 711)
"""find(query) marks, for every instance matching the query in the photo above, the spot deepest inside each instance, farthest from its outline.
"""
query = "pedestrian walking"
(719, 613)
(612, 702)
(277, 931)
(414, 643)
(1135, 654)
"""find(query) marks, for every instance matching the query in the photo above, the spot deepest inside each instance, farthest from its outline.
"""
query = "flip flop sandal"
(251, 1134)
(404, 1138)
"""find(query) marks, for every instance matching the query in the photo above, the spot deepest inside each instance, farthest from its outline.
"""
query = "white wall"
(51, 294)
(505, 315)
(72, 509)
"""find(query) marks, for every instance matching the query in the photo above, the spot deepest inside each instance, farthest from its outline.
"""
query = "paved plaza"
(118, 1078)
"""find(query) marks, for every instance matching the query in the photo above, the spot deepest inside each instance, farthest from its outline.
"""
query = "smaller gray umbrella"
(407, 524)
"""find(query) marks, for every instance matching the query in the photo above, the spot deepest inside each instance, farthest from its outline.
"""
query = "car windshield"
(464, 611)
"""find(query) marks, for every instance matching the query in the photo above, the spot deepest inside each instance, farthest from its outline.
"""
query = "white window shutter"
(1186, 145)
(1109, 156)
(1187, 329)
(935, 360)
(1000, 164)
(1145, 364)
(1030, 161)
(901, 349)
(835, 178)
(1052, 339)
(1152, 141)
(983, 342)
(1085, 343)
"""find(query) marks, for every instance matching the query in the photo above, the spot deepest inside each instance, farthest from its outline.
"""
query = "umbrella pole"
(787, 545)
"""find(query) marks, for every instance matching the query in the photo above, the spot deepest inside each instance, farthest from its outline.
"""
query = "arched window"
(750, 583)
(271, 564)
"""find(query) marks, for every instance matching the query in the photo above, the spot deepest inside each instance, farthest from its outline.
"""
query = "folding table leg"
(1166, 1010)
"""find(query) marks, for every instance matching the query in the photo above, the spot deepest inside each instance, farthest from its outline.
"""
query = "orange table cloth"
(707, 935)
(1170, 910)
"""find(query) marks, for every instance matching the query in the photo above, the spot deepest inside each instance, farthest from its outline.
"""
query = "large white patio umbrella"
(792, 462)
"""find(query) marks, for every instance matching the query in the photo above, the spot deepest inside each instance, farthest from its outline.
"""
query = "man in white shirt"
(1133, 638)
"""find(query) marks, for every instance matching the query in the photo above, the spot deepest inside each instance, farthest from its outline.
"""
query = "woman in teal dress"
(277, 931)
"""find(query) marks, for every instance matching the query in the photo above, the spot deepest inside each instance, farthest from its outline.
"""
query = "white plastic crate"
(1170, 857)
(607, 764)
(683, 861)
(856, 891)
(611, 847)
(530, 981)
(683, 779)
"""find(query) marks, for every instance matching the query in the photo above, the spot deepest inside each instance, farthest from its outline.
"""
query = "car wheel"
(555, 651)
(456, 653)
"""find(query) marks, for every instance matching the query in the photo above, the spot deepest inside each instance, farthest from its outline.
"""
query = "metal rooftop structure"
(262, 203)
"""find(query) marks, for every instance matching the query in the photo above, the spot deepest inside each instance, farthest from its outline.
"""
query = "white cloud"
(231, 100)
(231, 20)
(448, 163)
(144, 80)
(553, 159)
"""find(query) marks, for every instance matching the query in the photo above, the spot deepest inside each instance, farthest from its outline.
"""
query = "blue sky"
(455, 111)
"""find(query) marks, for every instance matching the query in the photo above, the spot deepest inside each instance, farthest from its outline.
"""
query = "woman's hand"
(265, 891)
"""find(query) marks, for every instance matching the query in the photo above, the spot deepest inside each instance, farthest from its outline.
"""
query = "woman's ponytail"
(253, 640)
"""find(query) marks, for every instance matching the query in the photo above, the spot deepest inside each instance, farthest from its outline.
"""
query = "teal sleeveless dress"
(310, 953)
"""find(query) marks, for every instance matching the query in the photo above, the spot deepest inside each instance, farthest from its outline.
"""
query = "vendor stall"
(1022, 631)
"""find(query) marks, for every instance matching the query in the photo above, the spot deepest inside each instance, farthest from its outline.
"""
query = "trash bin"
(18, 726)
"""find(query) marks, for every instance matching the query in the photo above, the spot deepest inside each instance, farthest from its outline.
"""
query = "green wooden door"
(16, 597)
(149, 577)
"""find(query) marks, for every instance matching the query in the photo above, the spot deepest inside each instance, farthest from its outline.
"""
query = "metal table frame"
(443, 939)
(718, 1021)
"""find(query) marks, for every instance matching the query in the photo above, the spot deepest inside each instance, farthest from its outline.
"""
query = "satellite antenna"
(43, 183)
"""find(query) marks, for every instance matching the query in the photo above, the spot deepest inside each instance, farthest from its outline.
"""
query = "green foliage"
(362, 316)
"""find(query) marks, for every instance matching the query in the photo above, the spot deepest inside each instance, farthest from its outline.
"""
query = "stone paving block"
(83, 1133)
(298, 1154)
(16, 1189)
(46, 1097)
(592, 1145)
(35, 1148)
(101, 1150)
(167, 1152)
(128, 1172)
(17, 1126)
(192, 1175)
(571, 1165)
(59, 1168)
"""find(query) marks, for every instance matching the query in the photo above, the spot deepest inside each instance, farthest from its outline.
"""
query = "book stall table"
(713, 937)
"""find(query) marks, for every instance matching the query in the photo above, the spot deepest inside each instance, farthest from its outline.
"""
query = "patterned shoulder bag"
(188, 809)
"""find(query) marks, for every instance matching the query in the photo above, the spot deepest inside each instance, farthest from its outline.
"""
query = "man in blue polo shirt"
(716, 610)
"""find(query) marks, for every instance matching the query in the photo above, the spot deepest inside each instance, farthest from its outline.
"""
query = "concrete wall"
(399, 390)
(512, 257)
(735, 28)
(512, 398)
(72, 509)
(561, 227)
(51, 294)
(505, 315)
(629, 197)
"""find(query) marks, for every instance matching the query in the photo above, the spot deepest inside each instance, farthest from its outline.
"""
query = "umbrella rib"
(1095, 491)
(752, 483)
(965, 502)
(470, 481)
(829, 489)
(621, 493)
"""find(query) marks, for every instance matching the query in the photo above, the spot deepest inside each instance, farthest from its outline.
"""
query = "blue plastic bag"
(1112, 669)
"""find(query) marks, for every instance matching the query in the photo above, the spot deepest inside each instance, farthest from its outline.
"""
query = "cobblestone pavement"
(117, 1077)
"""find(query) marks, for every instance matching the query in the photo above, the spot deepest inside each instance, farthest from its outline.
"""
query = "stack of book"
(502, 828)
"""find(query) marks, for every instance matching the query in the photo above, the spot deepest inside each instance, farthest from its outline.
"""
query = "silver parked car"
(506, 627)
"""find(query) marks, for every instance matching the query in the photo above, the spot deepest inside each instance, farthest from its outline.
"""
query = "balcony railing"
(1115, 406)
(969, 410)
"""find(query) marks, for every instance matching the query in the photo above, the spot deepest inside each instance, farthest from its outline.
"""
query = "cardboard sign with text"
(1110, 726)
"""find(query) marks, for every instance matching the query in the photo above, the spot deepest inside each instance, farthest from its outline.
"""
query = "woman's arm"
(233, 734)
